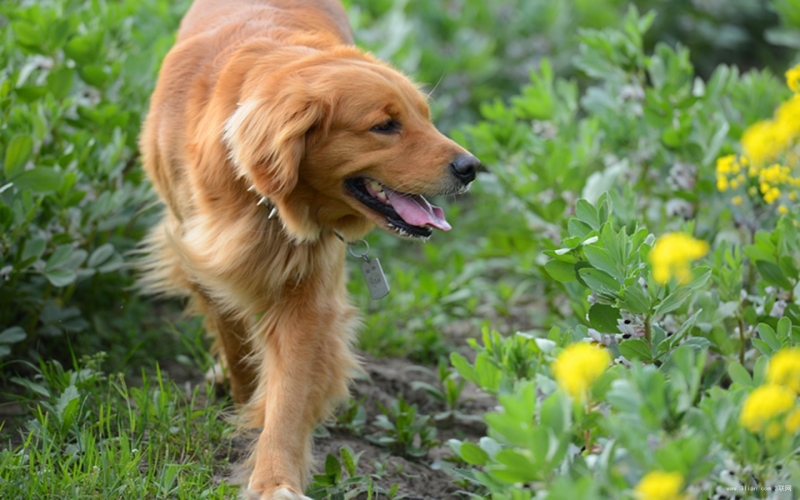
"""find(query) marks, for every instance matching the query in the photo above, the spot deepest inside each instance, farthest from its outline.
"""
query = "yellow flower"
(783, 210)
(736, 200)
(764, 406)
(793, 421)
(784, 368)
(793, 78)
(659, 485)
(772, 195)
(578, 366)
(722, 183)
(671, 256)
(725, 164)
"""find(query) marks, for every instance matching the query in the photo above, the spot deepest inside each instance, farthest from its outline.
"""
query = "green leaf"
(69, 395)
(473, 454)
(18, 152)
(463, 367)
(578, 229)
(697, 343)
(603, 318)
(38, 180)
(768, 335)
(588, 214)
(28, 35)
(555, 413)
(488, 374)
(560, 271)
(784, 331)
(635, 299)
(347, 460)
(59, 257)
(739, 374)
(12, 335)
(34, 249)
(673, 301)
(61, 277)
(94, 75)
(602, 259)
(599, 281)
(772, 274)
(635, 349)
(101, 255)
(332, 468)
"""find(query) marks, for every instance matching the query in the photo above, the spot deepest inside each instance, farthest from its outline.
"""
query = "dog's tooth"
(376, 186)
(262, 201)
(273, 212)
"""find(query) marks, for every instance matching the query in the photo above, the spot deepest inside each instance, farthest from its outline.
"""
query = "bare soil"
(423, 478)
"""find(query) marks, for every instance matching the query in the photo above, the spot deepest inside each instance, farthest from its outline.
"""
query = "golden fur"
(270, 99)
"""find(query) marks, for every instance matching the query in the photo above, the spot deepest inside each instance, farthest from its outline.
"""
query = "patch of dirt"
(423, 478)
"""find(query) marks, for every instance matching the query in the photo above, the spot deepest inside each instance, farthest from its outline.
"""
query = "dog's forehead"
(380, 86)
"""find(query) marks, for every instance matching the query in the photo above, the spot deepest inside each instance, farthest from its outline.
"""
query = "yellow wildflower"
(764, 406)
(736, 200)
(783, 210)
(753, 191)
(671, 256)
(793, 421)
(784, 368)
(722, 183)
(578, 366)
(772, 195)
(660, 485)
(725, 164)
(793, 78)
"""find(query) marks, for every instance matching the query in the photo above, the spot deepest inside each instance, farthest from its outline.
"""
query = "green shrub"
(471, 52)
(76, 76)
(702, 395)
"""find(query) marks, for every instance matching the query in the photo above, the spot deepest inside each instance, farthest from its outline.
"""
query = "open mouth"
(409, 215)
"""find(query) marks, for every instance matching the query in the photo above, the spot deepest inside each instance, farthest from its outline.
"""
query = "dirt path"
(423, 478)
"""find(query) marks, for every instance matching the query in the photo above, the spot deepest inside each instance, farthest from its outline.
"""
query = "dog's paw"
(287, 494)
(279, 494)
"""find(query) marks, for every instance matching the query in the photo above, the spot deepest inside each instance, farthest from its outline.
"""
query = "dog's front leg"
(306, 368)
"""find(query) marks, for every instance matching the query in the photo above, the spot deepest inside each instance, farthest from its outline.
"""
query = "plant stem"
(741, 337)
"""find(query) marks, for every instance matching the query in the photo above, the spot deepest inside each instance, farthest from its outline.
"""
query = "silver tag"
(376, 281)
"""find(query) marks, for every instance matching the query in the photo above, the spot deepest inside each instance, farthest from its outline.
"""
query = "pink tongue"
(417, 211)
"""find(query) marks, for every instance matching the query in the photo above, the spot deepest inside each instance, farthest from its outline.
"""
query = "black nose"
(465, 167)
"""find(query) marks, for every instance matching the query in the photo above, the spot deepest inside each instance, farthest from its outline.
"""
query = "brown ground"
(418, 478)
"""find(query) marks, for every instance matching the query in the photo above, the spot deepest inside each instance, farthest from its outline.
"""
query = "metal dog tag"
(376, 281)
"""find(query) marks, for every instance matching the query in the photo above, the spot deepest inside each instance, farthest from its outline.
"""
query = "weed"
(403, 430)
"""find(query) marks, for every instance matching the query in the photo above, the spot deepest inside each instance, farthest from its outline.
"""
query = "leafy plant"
(448, 393)
(405, 432)
(74, 81)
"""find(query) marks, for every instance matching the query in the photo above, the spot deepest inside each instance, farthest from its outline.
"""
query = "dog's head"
(343, 141)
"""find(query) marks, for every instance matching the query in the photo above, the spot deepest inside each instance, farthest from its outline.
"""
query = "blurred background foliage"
(75, 81)
(471, 51)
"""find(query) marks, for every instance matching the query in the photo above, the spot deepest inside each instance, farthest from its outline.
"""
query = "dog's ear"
(267, 138)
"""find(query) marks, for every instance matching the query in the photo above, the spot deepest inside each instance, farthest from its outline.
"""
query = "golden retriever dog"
(274, 142)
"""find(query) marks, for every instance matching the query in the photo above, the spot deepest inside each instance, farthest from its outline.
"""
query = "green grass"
(92, 435)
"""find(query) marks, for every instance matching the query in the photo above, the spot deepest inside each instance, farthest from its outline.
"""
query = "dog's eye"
(386, 127)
